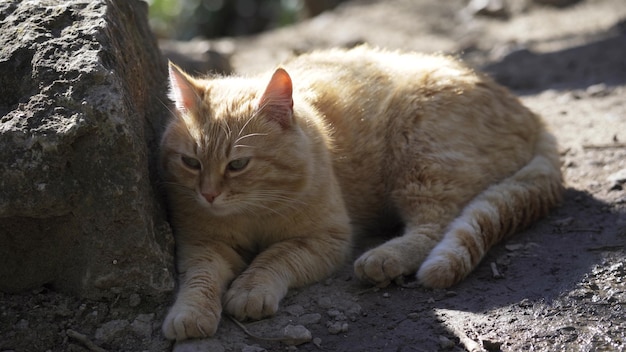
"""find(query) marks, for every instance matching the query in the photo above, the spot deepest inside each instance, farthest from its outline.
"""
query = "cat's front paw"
(186, 322)
(378, 266)
(251, 303)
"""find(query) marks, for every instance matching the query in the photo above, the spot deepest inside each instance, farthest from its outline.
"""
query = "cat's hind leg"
(498, 211)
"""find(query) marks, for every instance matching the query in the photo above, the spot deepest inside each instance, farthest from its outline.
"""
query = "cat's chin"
(217, 210)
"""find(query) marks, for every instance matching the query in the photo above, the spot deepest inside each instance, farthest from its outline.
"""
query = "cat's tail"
(500, 210)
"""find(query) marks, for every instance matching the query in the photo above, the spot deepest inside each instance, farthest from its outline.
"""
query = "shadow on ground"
(573, 68)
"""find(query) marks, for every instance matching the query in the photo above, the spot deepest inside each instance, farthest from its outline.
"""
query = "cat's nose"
(210, 197)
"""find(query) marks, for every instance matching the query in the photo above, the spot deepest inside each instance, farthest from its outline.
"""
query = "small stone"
(110, 330)
(134, 300)
(354, 311)
(336, 314)
(324, 302)
(295, 310)
(597, 90)
(446, 343)
(491, 345)
(386, 295)
(512, 247)
(22, 324)
(296, 335)
(317, 342)
(617, 179)
(142, 325)
(489, 8)
(334, 328)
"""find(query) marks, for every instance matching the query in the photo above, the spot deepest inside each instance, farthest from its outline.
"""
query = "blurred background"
(188, 19)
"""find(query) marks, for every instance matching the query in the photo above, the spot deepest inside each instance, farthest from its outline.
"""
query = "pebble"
(324, 302)
(308, 319)
(317, 342)
(617, 179)
(446, 343)
(354, 311)
(296, 335)
(295, 310)
(598, 90)
(336, 314)
(200, 345)
(142, 325)
(337, 327)
(512, 247)
(22, 324)
(110, 330)
(134, 300)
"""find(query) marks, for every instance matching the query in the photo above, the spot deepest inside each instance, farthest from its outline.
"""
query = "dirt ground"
(558, 286)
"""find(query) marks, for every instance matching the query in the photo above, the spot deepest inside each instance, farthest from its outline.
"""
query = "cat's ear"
(277, 102)
(182, 90)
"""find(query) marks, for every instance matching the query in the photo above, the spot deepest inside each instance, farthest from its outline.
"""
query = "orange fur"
(268, 177)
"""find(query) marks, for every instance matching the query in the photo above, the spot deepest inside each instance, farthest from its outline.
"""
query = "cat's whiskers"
(248, 207)
(269, 197)
(249, 135)
(255, 114)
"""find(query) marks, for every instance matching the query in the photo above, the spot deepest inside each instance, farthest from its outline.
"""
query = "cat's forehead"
(230, 97)
(227, 106)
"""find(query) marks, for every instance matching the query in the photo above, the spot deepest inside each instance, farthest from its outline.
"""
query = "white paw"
(439, 272)
(186, 322)
(257, 302)
(378, 266)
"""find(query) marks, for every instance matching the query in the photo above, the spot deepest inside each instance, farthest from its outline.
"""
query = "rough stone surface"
(82, 85)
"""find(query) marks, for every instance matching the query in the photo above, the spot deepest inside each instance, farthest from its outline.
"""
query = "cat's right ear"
(277, 101)
(182, 90)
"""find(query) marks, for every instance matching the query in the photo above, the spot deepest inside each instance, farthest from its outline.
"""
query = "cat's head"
(234, 145)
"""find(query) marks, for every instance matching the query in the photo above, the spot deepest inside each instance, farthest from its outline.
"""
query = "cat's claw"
(378, 267)
(256, 303)
(186, 322)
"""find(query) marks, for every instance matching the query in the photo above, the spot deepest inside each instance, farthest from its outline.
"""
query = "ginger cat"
(268, 178)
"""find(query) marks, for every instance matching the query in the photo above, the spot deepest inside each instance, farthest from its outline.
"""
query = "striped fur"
(268, 177)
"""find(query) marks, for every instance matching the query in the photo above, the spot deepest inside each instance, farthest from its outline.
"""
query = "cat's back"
(389, 111)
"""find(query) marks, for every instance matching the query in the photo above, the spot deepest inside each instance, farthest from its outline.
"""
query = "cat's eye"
(191, 163)
(238, 164)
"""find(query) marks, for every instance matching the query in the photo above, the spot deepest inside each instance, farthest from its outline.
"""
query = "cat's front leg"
(204, 272)
(256, 293)
(397, 257)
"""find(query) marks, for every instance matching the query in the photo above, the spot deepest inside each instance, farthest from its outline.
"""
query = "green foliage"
(186, 19)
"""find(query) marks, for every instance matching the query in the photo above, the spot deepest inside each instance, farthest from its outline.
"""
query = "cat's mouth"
(214, 205)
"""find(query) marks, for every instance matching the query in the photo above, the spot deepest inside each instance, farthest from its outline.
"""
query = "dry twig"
(494, 271)
(604, 146)
(289, 340)
(84, 340)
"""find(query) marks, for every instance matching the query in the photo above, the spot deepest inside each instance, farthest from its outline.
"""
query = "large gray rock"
(82, 101)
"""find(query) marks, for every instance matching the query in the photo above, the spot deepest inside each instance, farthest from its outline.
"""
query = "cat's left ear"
(277, 102)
